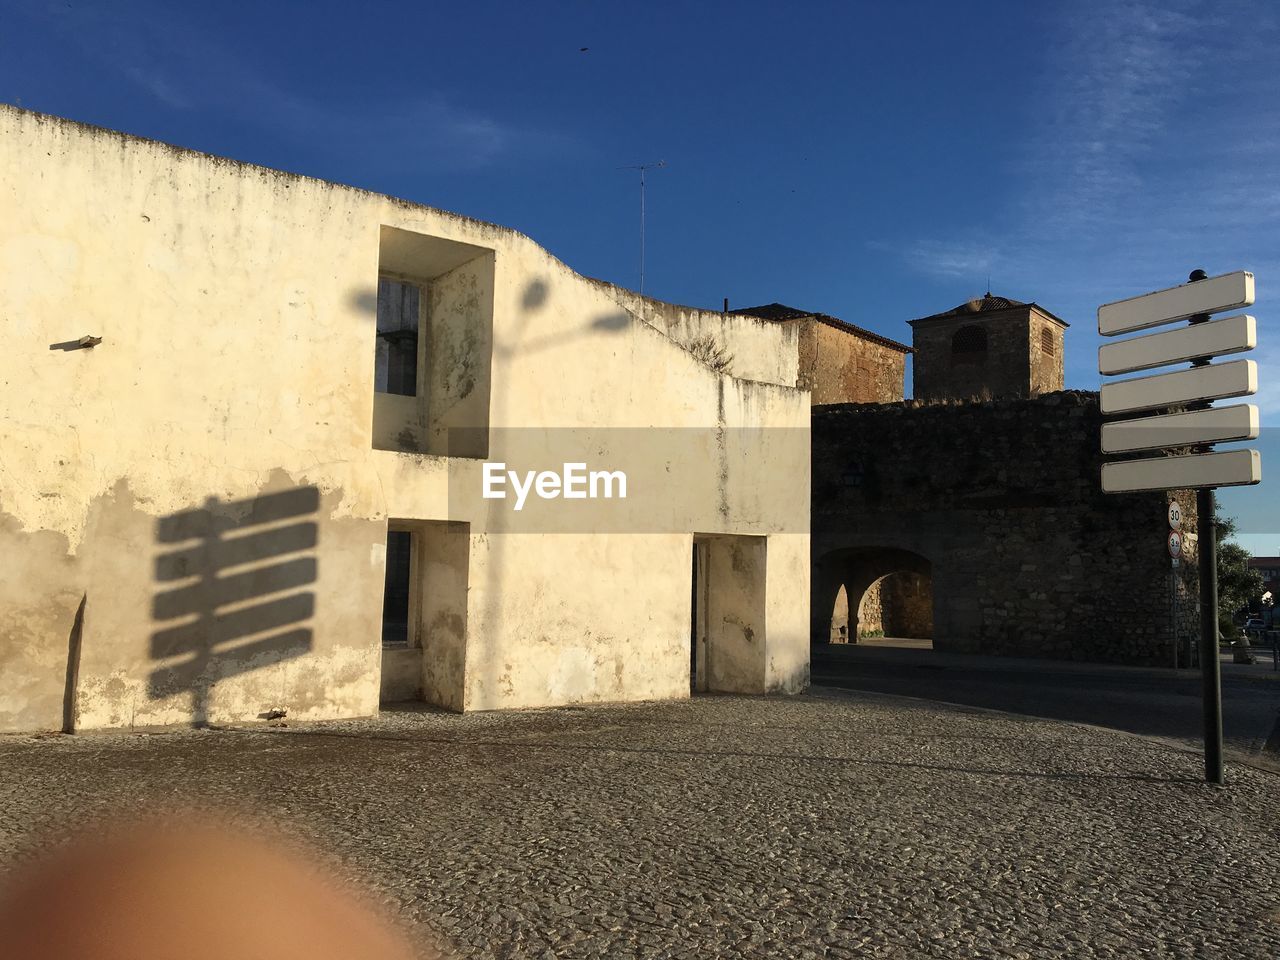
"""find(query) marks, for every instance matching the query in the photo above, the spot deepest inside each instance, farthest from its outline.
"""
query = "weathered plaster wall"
(236, 306)
(735, 612)
(839, 367)
(37, 624)
(458, 349)
(771, 358)
(444, 571)
(999, 503)
(401, 673)
(786, 624)
(587, 616)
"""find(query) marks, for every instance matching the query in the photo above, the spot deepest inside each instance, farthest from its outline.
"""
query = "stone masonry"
(999, 504)
(840, 366)
(987, 348)
(839, 361)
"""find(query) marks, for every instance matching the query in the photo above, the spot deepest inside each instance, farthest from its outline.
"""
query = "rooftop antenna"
(642, 167)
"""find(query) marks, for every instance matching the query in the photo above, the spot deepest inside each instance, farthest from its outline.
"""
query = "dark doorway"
(698, 619)
(395, 596)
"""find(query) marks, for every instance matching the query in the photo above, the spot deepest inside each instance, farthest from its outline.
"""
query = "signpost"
(1214, 381)
(1175, 552)
(1187, 433)
(1216, 425)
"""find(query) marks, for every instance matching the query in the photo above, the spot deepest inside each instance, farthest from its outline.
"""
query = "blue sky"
(874, 161)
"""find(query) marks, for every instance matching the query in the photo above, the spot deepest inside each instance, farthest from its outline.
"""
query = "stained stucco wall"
(768, 358)
(203, 487)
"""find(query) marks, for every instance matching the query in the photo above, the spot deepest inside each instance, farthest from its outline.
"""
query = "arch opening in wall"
(1047, 346)
(969, 345)
(840, 617)
(896, 609)
(873, 595)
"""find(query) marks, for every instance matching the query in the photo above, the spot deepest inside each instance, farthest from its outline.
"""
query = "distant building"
(973, 515)
(841, 362)
(1269, 567)
(986, 349)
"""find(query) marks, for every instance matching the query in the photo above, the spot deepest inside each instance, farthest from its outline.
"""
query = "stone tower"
(986, 348)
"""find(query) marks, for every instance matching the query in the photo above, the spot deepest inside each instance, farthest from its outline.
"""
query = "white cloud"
(1112, 89)
(969, 260)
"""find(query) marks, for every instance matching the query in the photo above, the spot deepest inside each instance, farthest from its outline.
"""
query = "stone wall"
(898, 605)
(1046, 346)
(1015, 363)
(907, 605)
(870, 611)
(842, 367)
(1000, 503)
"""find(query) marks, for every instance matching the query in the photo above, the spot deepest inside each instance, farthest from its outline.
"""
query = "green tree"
(1239, 585)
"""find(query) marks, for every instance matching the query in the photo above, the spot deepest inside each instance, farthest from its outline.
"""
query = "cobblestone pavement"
(832, 824)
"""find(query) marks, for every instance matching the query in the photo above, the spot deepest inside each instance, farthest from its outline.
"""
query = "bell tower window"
(969, 345)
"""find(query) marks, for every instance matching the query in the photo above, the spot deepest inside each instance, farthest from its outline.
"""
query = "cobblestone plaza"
(830, 824)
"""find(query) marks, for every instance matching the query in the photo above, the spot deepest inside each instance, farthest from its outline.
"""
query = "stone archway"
(872, 591)
(840, 618)
(896, 605)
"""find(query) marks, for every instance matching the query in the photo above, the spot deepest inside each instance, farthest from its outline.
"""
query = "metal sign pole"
(1210, 671)
(1210, 668)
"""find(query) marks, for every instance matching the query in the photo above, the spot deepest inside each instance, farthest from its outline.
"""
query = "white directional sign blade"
(1215, 339)
(1230, 468)
(1216, 381)
(1227, 292)
(1218, 425)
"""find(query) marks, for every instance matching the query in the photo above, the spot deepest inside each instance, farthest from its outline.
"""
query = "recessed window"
(396, 590)
(399, 319)
(969, 345)
(1046, 343)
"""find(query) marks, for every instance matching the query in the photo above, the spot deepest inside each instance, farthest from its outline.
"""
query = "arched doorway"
(897, 609)
(840, 617)
(876, 595)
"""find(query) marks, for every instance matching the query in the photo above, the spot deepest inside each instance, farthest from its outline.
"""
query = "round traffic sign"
(1175, 544)
(1175, 515)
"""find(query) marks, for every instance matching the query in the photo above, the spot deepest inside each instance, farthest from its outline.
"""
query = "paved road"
(1153, 702)
(833, 824)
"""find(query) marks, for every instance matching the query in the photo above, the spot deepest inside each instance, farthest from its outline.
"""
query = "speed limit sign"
(1175, 516)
